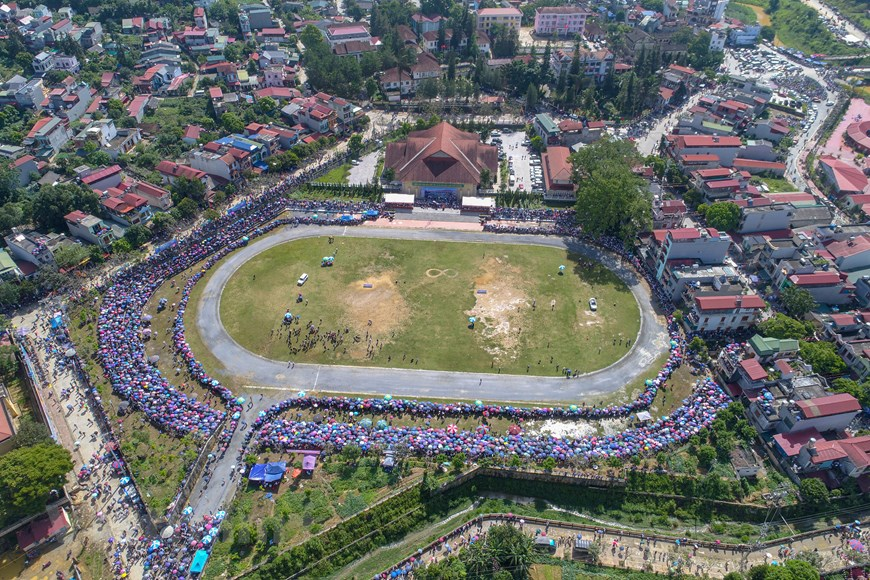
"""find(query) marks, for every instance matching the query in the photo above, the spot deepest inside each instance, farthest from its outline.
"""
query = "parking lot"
(525, 165)
(364, 171)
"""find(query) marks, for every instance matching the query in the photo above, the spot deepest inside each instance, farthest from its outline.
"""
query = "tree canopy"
(781, 326)
(797, 301)
(51, 203)
(611, 199)
(723, 216)
(27, 476)
(823, 357)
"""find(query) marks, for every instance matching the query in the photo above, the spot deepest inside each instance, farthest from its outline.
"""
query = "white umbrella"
(167, 532)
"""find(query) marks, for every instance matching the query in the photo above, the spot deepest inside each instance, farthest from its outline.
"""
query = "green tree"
(355, 145)
(51, 203)
(9, 294)
(537, 144)
(700, 347)
(706, 454)
(450, 568)
(28, 475)
(121, 246)
(185, 209)
(531, 97)
(232, 123)
(723, 216)
(244, 536)
(611, 199)
(185, 188)
(548, 464)
(860, 392)
(31, 433)
(823, 357)
(70, 255)
(814, 493)
(781, 326)
(485, 178)
(272, 527)
(797, 301)
(351, 453)
(162, 222)
(137, 236)
(428, 89)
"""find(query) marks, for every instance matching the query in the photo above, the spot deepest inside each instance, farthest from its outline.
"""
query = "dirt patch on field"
(499, 310)
(382, 304)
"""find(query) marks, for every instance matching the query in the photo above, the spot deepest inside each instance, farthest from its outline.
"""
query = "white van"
(512, 180)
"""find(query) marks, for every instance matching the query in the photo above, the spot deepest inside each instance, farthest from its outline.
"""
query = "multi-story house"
(126, 208)
(708, 246)
(90, 229)
(70, 101)
(713, 312)
(47, 136)
(507, 17)
(171, 171)
(560, 20)
(34, 247)
(826, 287)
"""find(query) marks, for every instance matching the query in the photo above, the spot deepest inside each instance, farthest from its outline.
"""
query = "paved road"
(264, 374)
(363, 173)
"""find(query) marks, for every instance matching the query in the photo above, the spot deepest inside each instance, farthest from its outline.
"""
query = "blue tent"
(166, 246)
(268, 472)
(241, 205)
(370, 212)
(199, 560)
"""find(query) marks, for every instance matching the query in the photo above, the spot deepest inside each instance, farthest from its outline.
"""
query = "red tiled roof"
(192, 132)
(706, 303)
(755, 164)
(828, 451)
(441, 154)
(700, 157)
(715, 172)
(215, 92)
(499, 12)
(857, 449)
(690, 141)
(682, 69)
(22, 160)
(828, 406)
(843, 319)
(101, 174)
(791, 443)
(847, 248)
(815, 279)
(847, 177)
(177, 170)
(42, 528)
(753, 369)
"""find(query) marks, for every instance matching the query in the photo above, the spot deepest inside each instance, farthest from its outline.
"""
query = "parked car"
(302, 280)
(593, 304)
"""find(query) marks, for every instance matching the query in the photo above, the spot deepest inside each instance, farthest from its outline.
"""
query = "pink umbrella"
(452, 429)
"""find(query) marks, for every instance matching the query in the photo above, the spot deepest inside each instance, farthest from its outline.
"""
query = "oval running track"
(260, 373)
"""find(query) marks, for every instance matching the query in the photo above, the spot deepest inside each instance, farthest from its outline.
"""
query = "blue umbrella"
(300, 394)
(365, 423)
(561, 268)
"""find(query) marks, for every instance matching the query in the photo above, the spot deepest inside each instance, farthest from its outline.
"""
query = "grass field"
(778, 184)
(742, 13)
(421, 298)
(337, 175)
(798, 26)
